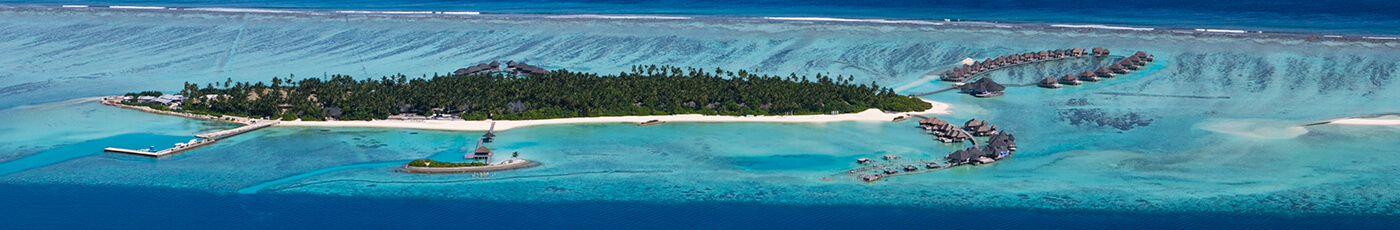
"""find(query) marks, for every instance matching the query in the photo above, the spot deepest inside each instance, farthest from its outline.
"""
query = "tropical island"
(533, 95)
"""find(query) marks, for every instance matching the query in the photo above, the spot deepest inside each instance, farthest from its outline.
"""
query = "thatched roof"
(1069, 77)
(1048, 80)
(494, 64)
(1115, 66)
(462, 71)
(1103, 70)
(983, 85)
(1087, 73)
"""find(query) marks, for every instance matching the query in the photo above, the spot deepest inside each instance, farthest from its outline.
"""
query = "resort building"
(984, 87)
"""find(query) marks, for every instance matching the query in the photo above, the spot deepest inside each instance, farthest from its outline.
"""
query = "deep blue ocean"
(83, 207)
(1373, 17)
(67, 206)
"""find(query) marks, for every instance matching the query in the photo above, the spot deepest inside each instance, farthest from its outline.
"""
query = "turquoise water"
(1140, 143)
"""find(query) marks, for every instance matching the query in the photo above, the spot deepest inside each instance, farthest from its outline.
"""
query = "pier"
(201, 140)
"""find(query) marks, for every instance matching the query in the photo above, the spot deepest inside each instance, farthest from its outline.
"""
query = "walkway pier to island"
(200, 140)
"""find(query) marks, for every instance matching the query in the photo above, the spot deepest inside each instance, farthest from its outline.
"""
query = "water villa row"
(969, 71)
(999, 145)
(1122, 66)
(949, 133)
(517, 68)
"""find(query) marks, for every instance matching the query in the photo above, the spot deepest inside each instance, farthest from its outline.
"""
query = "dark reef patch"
(1121, 121)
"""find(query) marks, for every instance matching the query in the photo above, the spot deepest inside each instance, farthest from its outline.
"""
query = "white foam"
(1221, 31)
(75, 6)
(1332, 36)
(1382, 38)
(405, 12)
(1103, 27)
(596, 16)
(138, 7)
(461, 12)
(383, 12)
(241, 10)
(823, 19)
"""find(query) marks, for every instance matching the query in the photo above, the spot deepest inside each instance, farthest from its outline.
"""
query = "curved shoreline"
(513, 164)
(460, 125)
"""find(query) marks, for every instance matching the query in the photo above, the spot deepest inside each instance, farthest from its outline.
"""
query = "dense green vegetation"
(437, 164)
(647, 90)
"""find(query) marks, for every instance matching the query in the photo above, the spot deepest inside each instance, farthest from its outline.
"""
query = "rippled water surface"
(1210, 128)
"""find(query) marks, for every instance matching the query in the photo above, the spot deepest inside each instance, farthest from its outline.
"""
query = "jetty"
(200, 140)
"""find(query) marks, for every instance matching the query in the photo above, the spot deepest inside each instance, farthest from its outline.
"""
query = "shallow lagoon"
(1143, 142)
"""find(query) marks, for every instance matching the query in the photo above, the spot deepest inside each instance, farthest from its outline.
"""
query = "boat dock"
(201, 141)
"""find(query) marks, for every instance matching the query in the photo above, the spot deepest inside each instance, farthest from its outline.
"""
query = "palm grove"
(646, 90)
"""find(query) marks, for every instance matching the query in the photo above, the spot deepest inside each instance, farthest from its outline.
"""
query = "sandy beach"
(873, 115)
(1366, 121)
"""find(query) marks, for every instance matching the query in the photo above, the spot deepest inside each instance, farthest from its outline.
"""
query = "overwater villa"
(1088, 76)
(1103, 72)
(1070, 79)
(1049, 82)
(979, 128)
(946, 133)
(1099, 51)
(999, 146)
(1117, 69)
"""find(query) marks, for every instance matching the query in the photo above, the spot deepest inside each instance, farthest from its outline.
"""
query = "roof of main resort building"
(983, 85)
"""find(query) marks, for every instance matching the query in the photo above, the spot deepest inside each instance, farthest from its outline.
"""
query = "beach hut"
(1077, 52)
(1140, 54)
(1104, 72)
(510, 64)
(494, 65)
(1049, 82)
(1043, 55)
(461, 71)
(1088, 76)
(1070, 79)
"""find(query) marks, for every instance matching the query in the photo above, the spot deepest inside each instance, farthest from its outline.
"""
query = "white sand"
(1366, 121)
(459, 125)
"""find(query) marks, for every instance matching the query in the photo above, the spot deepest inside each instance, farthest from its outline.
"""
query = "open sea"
(1206, 136)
